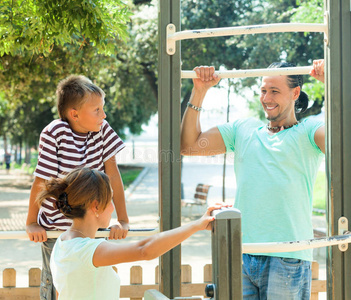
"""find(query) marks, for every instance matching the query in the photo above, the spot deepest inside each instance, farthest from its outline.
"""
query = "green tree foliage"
(30, 73)
(252, 51)
(298, 48)
(38, 26)
(44, 41)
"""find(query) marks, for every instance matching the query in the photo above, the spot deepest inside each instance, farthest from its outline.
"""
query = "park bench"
(199, 199)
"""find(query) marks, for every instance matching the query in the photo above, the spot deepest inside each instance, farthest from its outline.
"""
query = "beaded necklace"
(275, 128)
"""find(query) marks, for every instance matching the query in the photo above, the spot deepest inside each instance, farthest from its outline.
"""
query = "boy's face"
(90, 116)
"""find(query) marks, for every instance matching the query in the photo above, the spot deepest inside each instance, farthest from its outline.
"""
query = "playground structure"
(337, 28)
(226, 266)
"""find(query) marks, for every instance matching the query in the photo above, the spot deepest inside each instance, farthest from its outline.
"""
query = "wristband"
(194, 107)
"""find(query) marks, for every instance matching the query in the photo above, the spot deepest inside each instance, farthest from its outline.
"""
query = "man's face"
(277, 98)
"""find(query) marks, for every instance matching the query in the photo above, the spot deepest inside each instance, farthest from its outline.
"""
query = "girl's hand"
(318, 70)
(205, 221)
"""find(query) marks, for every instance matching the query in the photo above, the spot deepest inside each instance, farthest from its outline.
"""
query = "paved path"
(142, 206)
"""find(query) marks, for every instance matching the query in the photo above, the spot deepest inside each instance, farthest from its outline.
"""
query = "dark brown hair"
(301, 104)
(77, 190)
(71, 92)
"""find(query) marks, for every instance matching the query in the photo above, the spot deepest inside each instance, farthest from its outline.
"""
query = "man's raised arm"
(193, 140)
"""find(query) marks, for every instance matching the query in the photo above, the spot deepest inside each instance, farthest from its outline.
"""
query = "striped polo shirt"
(61, 150)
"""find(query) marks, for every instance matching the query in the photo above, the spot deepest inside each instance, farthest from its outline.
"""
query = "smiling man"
(275, 167)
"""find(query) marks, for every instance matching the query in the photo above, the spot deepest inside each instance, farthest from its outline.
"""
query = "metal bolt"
(170, 27)
(170, 49)
(343, 246)
(342, 221)
(210, 290)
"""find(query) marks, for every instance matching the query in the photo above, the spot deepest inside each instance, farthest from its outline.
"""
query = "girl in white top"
(81, 265)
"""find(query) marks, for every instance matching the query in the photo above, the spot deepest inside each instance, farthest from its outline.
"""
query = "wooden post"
(34, 277)
(315, 276)
(9, 278)
(207, 273)
(338, 104)
(169, 145)
(136, 278)
(186, 276)
(227, 254)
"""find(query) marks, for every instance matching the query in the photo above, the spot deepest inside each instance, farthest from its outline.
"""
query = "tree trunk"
(5, 142)
(28, 154)
(20, 152)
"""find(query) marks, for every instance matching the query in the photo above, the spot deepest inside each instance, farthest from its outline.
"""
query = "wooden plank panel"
(315, 270)
(187, 290)
(234, 239)
(208, 273)
(34, 277)
(136, 278)
(334, 151)
(19, 293)
(319, 286)
(136, 291)
(223, 261)
(186, 274)
(194, 289)
(345, 21)
(9, 277)
(169, 145)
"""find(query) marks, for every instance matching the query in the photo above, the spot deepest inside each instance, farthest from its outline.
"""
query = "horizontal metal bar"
(254, 72)
(246, 248)
(252, 29)
(296, 245)
(22, 235)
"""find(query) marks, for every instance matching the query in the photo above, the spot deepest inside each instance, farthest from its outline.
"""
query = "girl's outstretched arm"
(107, 253)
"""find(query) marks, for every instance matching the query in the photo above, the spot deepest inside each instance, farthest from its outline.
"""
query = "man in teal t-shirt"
(275, 166)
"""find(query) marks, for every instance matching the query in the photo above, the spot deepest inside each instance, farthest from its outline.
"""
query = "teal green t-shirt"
(275, 175)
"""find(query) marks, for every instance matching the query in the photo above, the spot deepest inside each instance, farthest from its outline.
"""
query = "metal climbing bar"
(296, 245)
(246, 248)
(22, 235)
(173, 36)
(254, 72)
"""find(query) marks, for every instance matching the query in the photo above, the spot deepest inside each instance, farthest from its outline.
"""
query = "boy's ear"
(73, 114)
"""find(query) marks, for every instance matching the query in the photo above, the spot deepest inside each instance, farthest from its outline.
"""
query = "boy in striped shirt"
(80, 138)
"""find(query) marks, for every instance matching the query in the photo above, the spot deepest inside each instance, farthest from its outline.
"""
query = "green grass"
(129, 174)
(319, 193)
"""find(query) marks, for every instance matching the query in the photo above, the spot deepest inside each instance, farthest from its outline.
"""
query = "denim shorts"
(276, 278)
(47, 289)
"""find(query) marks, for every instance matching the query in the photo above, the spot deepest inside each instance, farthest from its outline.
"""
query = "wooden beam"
(338, 108)
(169, 146)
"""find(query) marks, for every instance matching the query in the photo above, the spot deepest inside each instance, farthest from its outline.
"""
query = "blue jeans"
(276, 278)
(47, 289)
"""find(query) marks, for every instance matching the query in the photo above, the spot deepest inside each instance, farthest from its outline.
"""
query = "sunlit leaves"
(40, 25)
